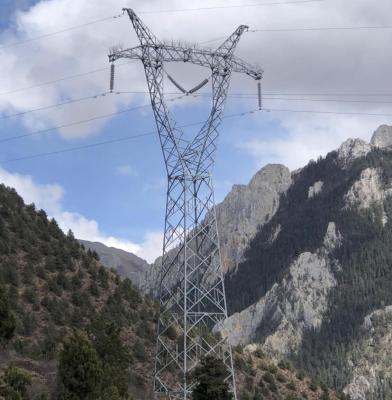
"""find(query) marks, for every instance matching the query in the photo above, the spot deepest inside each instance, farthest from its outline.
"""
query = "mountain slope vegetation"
(55, 287)
(71, 325)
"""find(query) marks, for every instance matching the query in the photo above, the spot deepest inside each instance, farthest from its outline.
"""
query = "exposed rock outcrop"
(372, 362)
(352, 149)
(315, 189)
(246, 207)
(279, 319)
(368, 190)
(239, 215)
(382, 137)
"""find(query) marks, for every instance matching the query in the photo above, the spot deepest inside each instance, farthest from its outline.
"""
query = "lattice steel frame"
(192, 295)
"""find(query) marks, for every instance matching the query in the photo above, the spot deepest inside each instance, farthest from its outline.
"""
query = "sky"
(320, 87)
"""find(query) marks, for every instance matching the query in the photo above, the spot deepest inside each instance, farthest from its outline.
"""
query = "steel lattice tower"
(192, 295)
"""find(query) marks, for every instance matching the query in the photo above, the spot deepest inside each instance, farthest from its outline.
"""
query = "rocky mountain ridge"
(347, 193)
(297, 303)
(126, 264)
(299, 248)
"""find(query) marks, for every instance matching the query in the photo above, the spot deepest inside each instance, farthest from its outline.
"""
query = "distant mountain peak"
(382, 137)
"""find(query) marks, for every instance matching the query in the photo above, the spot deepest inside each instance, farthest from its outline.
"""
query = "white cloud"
(307, 139)
(352, 61)
(312, 62)
(152, 246)
(127, 170)
(50, 197)
(157, 185)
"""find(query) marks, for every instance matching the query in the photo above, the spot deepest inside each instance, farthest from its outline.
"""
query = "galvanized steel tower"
(192, 295)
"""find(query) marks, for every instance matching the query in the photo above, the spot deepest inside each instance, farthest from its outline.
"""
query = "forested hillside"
(55, 288)
(72, 329)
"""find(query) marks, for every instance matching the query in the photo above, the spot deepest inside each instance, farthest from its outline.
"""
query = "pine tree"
(7, 319)
(210, 381)
(80, 370)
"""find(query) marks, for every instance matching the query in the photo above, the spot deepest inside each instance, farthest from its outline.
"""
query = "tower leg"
(192, 296)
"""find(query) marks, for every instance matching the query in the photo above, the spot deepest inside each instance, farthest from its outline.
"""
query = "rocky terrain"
(307, 262)
(287, 291)
(372, 360)
(297, 303)
(246, 207)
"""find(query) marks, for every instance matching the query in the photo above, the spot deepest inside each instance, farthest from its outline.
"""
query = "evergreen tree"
(7, 318)
(113, 354)
(80, 370)
(210, 381)
(14, 383)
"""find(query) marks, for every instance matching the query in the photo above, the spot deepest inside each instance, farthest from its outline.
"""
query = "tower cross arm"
(135, 53)
(166, 53)
(243, 67)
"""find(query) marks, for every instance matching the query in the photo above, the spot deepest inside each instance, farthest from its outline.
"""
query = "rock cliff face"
(372, 362)
(279, 319)
(368, 190)
(322, 288)
(382, 137)
(352, 149)
(246, 207)
(243, 210)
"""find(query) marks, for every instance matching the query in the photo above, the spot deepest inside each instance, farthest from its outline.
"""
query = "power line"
(66, 102)
(241, 114)
(76, 123)
(122, 139)
(336, 28)
(321, 94)
(87, 146)
(74, 27)
(70, 28)
(328, 112)
(230, 6)
(46, 83)
(244, 96)
(316, 100)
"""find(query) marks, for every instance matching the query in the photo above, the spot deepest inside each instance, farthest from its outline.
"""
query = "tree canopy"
(210, 380)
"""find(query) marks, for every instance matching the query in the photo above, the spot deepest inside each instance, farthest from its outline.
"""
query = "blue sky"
(116, 193)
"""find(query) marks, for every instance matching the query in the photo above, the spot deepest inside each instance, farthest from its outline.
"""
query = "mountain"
(319, 267)
(55, 295)
(239, 216)
(307, 263)
(126, 264)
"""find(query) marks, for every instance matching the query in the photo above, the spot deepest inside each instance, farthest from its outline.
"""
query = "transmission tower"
(191, 292)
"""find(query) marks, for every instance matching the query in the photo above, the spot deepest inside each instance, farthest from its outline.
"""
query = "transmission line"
(47, 83)
(70, 28)
(84, 121)
(236, 115)
(230, 6)
(74, 27)
(336, 28)
(66, 102)
(245, 96)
